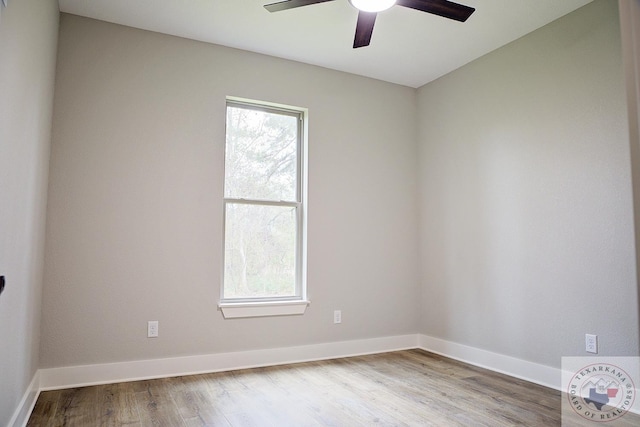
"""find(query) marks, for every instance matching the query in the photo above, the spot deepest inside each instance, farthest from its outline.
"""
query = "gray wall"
(135, 214)
(28, 35)
(526, 211)
(517, 163)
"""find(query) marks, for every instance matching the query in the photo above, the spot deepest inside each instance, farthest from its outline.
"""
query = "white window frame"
(274, 306)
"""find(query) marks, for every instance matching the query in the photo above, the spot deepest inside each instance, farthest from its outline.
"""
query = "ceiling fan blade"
(290, 4)
(443, 8)
(364, 29)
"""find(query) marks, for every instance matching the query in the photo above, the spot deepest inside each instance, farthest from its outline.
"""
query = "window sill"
(262, 309)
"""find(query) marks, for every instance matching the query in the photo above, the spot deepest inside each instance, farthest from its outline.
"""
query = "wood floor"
(405, 388)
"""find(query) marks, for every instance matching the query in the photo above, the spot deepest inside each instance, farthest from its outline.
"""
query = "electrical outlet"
(337, 316)
(591, 343)
(152, 329)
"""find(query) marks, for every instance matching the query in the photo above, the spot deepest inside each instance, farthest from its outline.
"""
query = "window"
(264, 212)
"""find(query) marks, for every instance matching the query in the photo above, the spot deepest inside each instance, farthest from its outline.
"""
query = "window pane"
(260, 248)
(260, 155)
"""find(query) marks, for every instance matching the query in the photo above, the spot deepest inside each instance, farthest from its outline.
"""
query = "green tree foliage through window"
(262, 203)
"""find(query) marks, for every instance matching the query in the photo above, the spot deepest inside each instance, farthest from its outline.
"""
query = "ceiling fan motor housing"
(372, 5)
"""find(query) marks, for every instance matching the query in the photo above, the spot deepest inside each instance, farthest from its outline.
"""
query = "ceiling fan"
(368, 10)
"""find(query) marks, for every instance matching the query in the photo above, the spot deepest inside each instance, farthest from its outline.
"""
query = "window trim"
(263, 308)
(274, 306)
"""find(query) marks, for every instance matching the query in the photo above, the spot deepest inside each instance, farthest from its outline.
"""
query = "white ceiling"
(408, 47)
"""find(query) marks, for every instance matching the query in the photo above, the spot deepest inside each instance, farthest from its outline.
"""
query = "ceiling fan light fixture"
(372, 5)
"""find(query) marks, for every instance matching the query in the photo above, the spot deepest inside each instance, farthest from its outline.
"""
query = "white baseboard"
(78, 376)
(518, 368)
(21, 415)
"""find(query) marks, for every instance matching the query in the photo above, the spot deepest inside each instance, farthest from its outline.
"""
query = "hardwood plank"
(155, 405)
(195, 403)
(76, 407)
(45, 409)
(118, 405)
